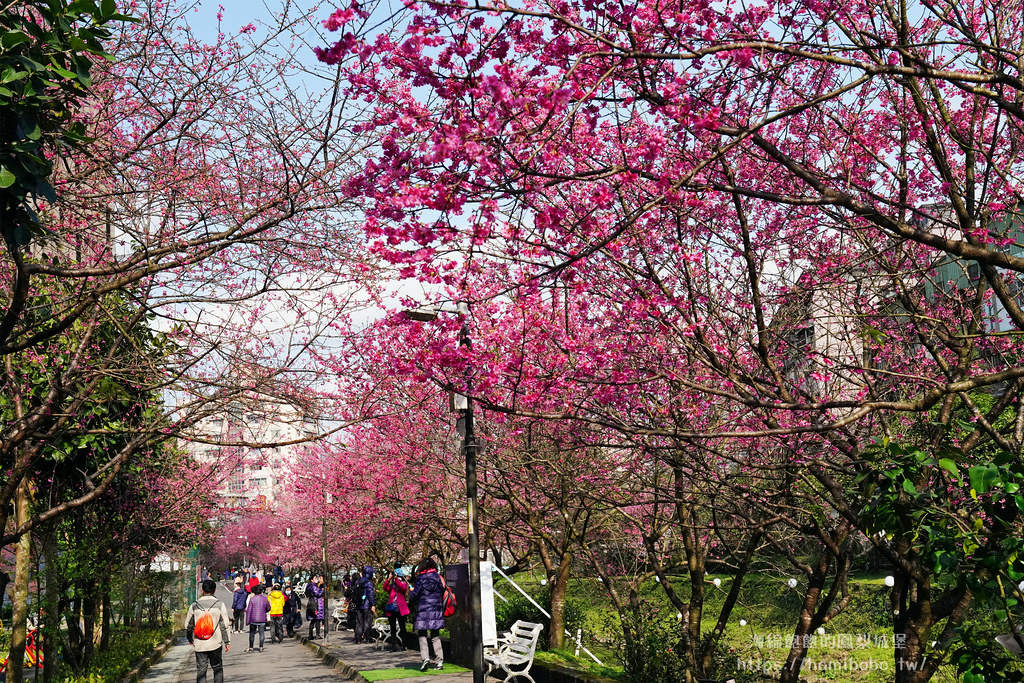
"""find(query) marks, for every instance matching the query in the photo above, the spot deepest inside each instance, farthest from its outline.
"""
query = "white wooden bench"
(380, 632)
(338, 617)
(515, 650)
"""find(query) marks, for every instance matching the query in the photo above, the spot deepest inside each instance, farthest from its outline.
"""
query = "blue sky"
(238, 13)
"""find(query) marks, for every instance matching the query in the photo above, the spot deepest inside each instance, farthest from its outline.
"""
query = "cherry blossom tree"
(204, 211)
(195, 249)
(720, 222)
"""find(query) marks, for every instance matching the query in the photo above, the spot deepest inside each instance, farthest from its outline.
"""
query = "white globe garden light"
(743, 622)
(717, 582)
(820, 631)
(890, 581)
(792, 583)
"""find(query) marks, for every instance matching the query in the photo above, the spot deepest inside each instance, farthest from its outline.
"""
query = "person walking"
(292, 605)
(429, 598)
(366, 605)
(238, 600)
(206, 627)
(256, 616)
(397, 608)
(277, 600)
(315, 606)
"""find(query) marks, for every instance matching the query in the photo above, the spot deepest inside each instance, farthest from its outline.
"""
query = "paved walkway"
(292, 662)
(374, 664)
(285, 662)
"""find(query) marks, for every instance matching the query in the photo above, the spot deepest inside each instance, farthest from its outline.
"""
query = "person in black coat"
(364, 595)
(292, 605)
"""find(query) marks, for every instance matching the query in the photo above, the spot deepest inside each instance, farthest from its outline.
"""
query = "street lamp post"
(245, 554)
(326, 575)
(469, 448)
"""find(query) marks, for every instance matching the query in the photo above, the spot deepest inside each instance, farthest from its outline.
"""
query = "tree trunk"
(798, 651)
(22, 564)
(127, 597)
(710, 644)
(140, 599)
(89, 620)
(559, 587)
(51, 613)
(74, 620)
(105, 625)
(917, 612)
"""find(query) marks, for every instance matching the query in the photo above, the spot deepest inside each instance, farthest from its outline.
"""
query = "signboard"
(460, 626)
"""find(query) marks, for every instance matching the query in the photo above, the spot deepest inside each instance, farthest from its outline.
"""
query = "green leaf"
(64, 72)
(46, 190)
(1002, 457)
(82, 7)
(10, 74)
(82, 69)
(876, 335)
(12, 39)
(108, 8)
(30, 129)
(950, 466)
(6, 178)
(77, 44)
(909, 487)
(22, 235)
(30, 64)
(983, 477)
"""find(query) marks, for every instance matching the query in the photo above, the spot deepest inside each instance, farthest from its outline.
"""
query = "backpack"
(204, 626)
(448, 601)
(359, 593)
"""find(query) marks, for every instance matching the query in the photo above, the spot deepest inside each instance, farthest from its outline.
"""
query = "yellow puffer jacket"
(277, 599)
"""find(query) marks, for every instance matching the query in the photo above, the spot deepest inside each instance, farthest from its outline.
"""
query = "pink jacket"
(397, 588)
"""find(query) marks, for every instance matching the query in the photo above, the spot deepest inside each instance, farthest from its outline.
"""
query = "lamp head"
(423, 315)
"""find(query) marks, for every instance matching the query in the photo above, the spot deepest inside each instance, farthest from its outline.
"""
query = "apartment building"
(254, 442)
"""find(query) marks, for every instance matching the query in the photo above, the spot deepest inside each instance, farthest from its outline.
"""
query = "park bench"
(338, 617)
(515, 650)
(380, 632)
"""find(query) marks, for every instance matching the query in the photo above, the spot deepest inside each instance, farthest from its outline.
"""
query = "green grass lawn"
(857, 646)
(407, 672)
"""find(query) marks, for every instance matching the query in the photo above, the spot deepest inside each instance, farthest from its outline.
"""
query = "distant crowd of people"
(265, 600)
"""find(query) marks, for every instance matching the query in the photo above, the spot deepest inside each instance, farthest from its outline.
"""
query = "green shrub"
(654, 656)
(519, 608)
(126, 648)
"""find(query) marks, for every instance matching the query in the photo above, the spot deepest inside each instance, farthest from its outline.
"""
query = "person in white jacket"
(209, 651)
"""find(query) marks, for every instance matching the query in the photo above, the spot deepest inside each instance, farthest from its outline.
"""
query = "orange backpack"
(204, 627)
